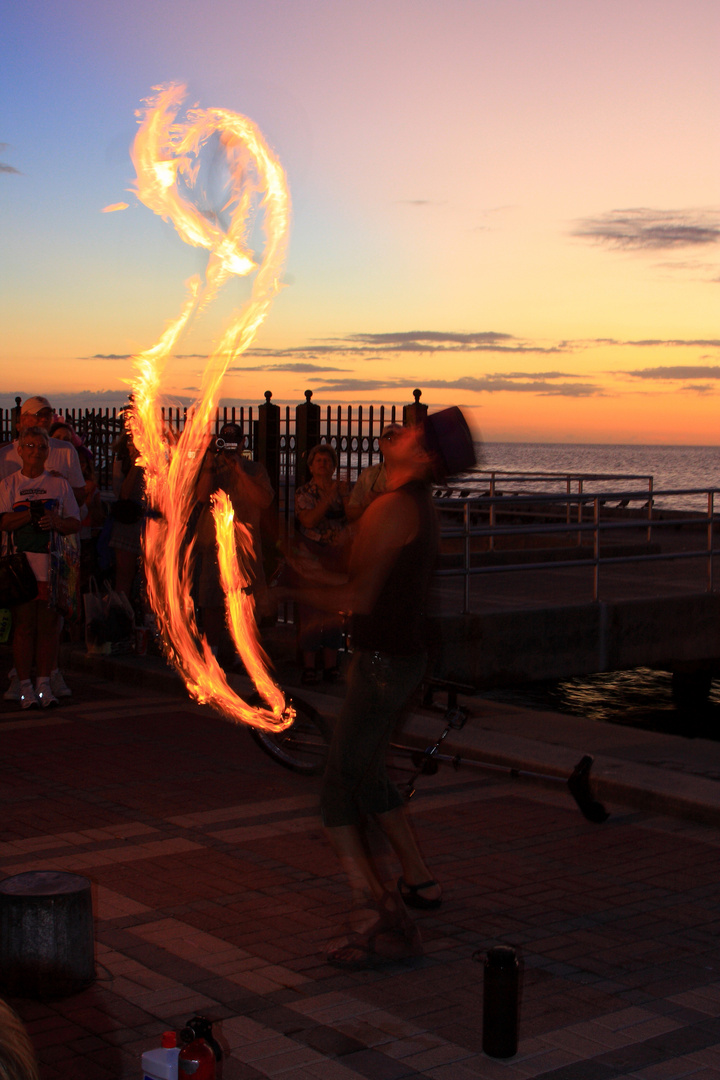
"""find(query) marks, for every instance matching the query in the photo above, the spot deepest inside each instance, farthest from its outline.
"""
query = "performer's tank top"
(396, 625)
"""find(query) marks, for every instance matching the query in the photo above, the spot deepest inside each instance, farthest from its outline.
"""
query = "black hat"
(448, 438)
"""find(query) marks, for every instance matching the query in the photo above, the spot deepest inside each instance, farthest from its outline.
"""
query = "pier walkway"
(552, 586)
(214, 890)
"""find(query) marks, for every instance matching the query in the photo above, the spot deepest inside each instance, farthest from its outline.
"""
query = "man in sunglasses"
(62, 456)
(251, 493)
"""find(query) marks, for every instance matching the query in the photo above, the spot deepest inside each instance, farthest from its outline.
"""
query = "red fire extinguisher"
(197, 1060)
(201, 1058)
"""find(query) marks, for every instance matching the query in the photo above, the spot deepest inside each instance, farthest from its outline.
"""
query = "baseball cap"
(34, 405)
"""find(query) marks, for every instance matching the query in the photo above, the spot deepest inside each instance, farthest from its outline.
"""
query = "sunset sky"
(512, 204)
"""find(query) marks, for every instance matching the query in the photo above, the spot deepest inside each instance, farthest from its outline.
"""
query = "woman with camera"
(34, 504)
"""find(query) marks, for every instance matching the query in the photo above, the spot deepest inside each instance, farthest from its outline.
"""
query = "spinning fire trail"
(166, 155)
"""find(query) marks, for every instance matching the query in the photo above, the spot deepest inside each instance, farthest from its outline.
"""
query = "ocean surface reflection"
(641, 698)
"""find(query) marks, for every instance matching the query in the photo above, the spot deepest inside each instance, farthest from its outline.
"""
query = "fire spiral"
(166, 155)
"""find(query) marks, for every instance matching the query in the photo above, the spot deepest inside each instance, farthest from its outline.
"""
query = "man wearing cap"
(62, 458)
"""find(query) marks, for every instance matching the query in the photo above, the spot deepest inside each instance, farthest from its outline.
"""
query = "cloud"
(410, 341)
(299, 368)
(518, 383)
(109, 356)
(676, 371)
(9, 169)
(643, 229)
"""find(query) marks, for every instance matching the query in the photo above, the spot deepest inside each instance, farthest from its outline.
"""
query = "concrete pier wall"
(502, 648)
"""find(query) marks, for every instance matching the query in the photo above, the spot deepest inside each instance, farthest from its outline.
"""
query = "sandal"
(358, 950)
(310, 676)
(412, 898)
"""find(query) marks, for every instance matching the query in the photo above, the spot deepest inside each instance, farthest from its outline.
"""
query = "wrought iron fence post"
(414, 414)
(307, 435)
(267, 446)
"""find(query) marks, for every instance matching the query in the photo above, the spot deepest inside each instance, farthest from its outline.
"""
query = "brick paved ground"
(214, 890)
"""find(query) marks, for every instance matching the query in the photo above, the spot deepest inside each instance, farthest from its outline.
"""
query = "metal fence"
(278, 436)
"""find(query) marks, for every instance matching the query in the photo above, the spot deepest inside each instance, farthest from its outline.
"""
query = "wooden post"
(307, 435)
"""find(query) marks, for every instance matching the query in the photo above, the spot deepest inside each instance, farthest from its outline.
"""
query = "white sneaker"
(13, 691)
(58, 685)
(28, 700)
(44, 694)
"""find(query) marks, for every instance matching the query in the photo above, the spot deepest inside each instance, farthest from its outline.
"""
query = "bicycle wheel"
(303, 746)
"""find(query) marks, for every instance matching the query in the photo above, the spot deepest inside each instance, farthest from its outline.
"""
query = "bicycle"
(303, 747)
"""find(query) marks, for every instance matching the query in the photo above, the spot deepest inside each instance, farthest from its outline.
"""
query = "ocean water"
(671, 467)
(640, 698)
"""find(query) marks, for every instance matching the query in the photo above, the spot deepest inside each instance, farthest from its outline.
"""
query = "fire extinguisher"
(201, 1057)
(196, 1059)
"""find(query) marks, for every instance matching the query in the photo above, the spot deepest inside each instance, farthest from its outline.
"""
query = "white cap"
(34, 405)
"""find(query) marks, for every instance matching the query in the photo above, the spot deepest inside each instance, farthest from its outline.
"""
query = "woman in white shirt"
(34, 503)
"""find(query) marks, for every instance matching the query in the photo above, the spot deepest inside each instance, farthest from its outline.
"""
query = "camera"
(224, 444)
(37, 510)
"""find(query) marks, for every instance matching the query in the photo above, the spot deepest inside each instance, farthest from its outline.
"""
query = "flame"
(166, 158)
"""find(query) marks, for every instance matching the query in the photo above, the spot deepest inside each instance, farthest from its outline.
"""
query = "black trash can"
(47, 945)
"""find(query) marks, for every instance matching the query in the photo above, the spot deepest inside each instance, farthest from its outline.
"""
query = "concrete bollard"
(46, 934)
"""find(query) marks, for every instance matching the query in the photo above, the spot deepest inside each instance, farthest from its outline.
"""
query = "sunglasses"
(34, 446)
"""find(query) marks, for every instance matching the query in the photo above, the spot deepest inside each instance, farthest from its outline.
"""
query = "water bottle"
(500, 1002)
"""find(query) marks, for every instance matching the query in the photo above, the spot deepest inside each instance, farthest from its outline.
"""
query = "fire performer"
(386, 591)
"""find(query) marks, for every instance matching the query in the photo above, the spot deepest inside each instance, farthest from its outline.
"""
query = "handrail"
(598, 526)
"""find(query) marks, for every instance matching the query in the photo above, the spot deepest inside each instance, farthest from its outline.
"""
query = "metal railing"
(517, 481)
(586, 520)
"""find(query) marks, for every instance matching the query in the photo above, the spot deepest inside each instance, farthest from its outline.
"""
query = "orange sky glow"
(511, 205)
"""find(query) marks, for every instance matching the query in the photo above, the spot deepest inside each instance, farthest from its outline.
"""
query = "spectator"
(92, 510)
(62, 458)
(248, 485)
(127, 513)
(35, 503)
(323, 528)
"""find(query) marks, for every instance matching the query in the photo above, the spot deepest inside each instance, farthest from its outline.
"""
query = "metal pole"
(710, 541)
(596, 547)
(466, 523)
(491, 539)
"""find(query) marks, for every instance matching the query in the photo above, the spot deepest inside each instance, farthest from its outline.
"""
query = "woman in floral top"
(320, 512)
